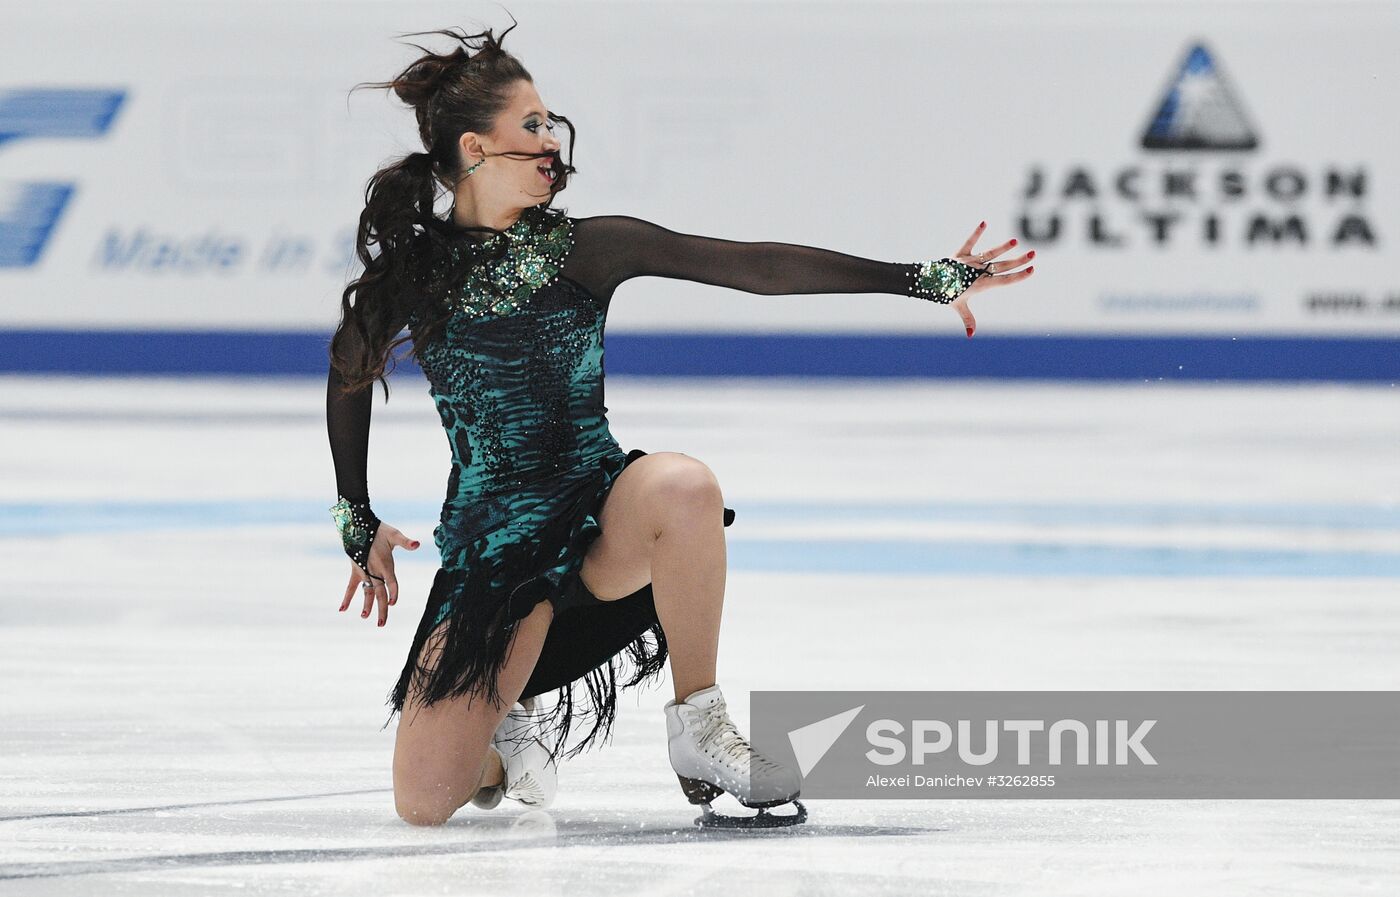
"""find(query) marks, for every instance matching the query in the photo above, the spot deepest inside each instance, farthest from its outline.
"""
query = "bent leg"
(442, 753)
(663, 523)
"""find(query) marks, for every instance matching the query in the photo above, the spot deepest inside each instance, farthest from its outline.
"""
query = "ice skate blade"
(761, 819)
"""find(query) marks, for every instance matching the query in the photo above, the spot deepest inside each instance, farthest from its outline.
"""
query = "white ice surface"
(183, 711)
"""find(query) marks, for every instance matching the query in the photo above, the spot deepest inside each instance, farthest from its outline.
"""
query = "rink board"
(1184, 184)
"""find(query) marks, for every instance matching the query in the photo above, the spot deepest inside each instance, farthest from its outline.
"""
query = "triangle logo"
(1199, 110)
(811, 742)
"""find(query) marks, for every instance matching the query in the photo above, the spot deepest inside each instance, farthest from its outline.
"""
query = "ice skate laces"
(719, 731)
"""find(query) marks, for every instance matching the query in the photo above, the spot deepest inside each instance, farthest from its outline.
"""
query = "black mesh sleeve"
(609, 249)
(348, 415)
(347, 424)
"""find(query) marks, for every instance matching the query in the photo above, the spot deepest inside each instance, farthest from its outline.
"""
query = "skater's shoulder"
(611, 226)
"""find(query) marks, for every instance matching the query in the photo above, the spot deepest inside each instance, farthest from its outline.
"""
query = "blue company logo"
(1227, 199)
(1199, 110)
(29, 210)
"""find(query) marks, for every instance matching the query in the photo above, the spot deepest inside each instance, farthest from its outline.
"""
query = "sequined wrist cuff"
(358, 526)
(941, 281)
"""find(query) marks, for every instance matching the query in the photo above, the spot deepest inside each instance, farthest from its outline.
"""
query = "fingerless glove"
(943, 280)
(358, 526)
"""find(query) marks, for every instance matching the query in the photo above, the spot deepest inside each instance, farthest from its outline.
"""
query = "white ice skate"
(531, 775)
(710, 757)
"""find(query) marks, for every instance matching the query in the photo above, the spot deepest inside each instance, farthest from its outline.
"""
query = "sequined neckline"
(536, 245)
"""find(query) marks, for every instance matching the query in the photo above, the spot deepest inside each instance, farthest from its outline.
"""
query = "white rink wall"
(1184, 171)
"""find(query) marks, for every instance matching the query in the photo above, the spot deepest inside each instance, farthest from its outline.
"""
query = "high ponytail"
(450, 93)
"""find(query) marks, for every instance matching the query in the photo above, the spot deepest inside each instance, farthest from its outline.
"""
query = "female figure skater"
(560, 553)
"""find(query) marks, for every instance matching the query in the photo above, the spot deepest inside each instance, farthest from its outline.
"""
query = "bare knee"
(686, 489)
(423, 806)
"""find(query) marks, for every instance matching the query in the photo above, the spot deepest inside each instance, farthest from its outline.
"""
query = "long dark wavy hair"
(450, 93)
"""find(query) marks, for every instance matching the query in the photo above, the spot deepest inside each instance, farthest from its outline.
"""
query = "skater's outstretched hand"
(1000, 275)
(383, 586)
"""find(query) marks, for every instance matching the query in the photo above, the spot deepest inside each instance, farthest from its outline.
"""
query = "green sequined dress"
(516, 375)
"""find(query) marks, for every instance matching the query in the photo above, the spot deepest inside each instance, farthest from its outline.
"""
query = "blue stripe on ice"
(1014, 558)
(875, 556)
(1035, 559)
(95, 516)
(1348, 517)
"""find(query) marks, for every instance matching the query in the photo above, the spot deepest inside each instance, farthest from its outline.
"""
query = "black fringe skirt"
(502, 555)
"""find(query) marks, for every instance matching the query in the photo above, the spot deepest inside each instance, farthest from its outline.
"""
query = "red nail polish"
(1013, 241)
(1031, 268)
(983, 224)
(1031, 254)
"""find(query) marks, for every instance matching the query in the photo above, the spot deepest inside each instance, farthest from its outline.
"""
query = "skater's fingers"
(369, 597)
(351, 586)
(383, 570)
(382, 573)
(986, 256)
(1018, 276)
(381, 553)
(1002, 273)
(972, 240)
(1001, 280)
(391, 537)
(1017, 262)
(964, 312)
